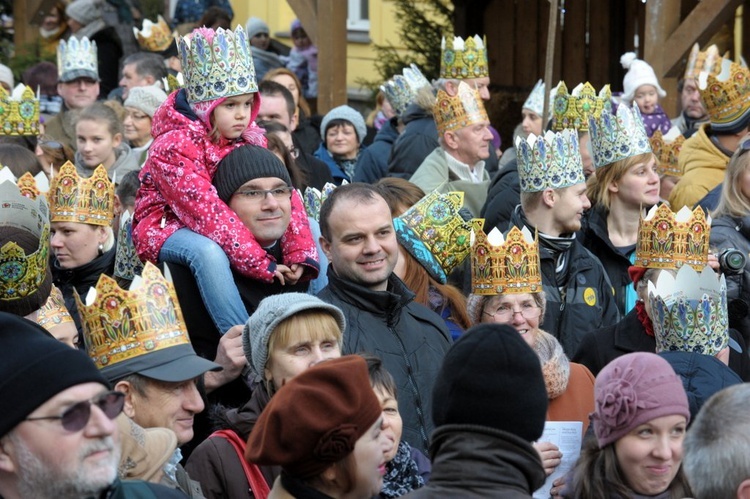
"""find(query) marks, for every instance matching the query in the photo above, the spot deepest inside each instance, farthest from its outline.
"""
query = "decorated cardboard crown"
(573, 110)
(459, 111)
(127, 263)
(83, 200)
(155, 36)
(53, 312)
(19, 111)
(314, 198)
(461, 59)
(618, 136)
(708, 61)
(435, 234)
(689, 311)
(726, 95)
(173, 82)
(31, 187)
(667, 150)
(552, 161)
(669, 240)
(22, 273)
(217, 64)
(535, 100)
(402, 89)
(504, 265)
(77, 58)
(120, 325)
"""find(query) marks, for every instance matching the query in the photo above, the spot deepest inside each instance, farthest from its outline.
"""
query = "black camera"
(732, 261)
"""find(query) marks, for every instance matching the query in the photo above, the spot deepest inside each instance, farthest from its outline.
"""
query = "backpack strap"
(258, 485)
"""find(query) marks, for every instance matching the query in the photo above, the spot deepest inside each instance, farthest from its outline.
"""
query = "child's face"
(393, 425)
(646, 98)
(232, 116)
(300, 39)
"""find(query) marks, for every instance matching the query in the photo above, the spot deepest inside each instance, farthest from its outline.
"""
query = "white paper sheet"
(567, 436)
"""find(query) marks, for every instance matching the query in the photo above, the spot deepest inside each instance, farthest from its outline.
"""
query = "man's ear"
(7, 465)
(325, 246)
(743, 491)
(129, 407)
(549, 198)
(450, 139)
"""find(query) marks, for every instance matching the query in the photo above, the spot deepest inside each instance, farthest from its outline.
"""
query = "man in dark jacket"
(381, 316)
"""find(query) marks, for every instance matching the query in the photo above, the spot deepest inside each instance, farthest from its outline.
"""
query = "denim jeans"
(210, 267)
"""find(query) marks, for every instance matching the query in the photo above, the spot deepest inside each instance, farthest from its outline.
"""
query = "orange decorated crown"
(668, 240)
(83, 200)
(459, 111)
(504, 265)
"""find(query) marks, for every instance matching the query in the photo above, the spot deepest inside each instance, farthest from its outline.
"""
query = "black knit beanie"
(34, 367)
(490, 377)
(244, 164)
(41, 282)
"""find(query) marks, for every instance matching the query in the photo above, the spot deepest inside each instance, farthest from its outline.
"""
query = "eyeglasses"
(505, 312)
(77, 416)
(49, 143)
(258, 195)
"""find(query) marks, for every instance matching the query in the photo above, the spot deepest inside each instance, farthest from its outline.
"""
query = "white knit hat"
(146, 99)
(639, 73)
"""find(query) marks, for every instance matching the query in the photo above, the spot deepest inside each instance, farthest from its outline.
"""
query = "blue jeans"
(210, 267)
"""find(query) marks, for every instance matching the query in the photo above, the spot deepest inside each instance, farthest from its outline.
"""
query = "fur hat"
(244, 164)
(146, 99)
(639, 73)
(144, 450)
(345, 113)
(255, 26)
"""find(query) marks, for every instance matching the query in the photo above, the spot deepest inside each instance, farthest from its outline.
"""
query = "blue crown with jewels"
(618, 136)
(217, 64)
(550, 161)
(402, 89)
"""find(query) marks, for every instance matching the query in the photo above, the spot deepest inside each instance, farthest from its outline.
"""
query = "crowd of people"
(208, 290)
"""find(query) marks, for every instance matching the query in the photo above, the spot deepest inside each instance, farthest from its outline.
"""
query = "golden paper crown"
(53, 312)
(155, 36)
(698, 62)
(573, 110)
(667, 148)
(19, 112)
(504, 265)
(119, 325)
(173, 82)
(463, 109)
(464, 59)
(30, 187)
(669, 240)
(726, 95)
(83, 200)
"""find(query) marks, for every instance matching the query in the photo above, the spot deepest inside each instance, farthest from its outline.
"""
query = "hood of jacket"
(700, 153)
(415, 112)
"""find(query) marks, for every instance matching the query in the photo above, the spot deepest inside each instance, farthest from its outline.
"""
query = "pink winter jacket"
(176, 192)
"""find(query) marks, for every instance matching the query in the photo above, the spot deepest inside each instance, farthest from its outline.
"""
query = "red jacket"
(176, 192)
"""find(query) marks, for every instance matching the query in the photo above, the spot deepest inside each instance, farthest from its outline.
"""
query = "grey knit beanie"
(345, 113)
(84, 11)
(244, 164)
(270, 312)
(146, 99)
(254, 26)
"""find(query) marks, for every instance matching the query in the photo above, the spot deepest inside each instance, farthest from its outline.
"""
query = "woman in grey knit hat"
(343, 129)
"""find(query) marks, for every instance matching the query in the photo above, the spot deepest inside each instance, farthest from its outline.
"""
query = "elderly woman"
(140, 107)
(343, 129)
(287, 334)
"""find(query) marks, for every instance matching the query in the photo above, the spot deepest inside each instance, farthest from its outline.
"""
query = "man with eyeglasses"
(58, 437)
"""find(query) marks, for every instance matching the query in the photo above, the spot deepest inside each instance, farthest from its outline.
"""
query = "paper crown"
(667, 150)
(155, 36)
(31, 187)
(127, 263)
(22, 274)
(119, 325)
(463, 59)
(573, 110)
(77, 58)
(19, 111)
(53, 312)
(726, 95)
(173, 82)
(459, 111)
(504, 265)
(535, 100)
(83, 200)
(435, 234)
(314, 198)
(689, 311)
(708, 61)
(618, 136)
(217, 64)
(669, 240)
(402, 89)
(552, 161)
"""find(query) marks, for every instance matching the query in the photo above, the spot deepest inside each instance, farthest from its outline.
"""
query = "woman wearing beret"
(324, 428)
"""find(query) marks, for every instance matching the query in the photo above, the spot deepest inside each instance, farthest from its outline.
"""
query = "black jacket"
(503, 196)
(372, 164)
(410, 339)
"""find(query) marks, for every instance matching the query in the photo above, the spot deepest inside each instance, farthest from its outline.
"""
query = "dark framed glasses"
(77, 416)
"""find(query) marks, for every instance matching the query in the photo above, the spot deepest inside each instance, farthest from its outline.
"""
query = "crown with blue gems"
(127, 263)
(83, 200)
(668, 240)
(120, 324)
(551, 161)
(504, 264)
(19, 111)
(689, 311)
(217, 64)
(155, 36)
(573, 110)
(667, 151)
(461, 59)
(77, 58)
(435, 234)
(22, 274)
(618, 136)
(314, 198)
(402, 89)
(459, 111)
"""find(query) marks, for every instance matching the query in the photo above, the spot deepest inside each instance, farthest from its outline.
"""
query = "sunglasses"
(77, 416)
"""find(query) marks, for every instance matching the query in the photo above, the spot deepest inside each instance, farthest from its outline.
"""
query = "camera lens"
(732, 261)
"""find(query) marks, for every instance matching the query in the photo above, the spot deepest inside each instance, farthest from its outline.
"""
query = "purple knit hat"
(632, 390)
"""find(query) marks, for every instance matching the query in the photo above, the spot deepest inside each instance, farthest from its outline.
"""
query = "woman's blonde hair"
(597, 189)
(733, 202)
(317, 324)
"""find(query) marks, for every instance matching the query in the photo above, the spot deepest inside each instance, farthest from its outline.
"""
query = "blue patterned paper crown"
(77, 59)
(535, 100)
(690, 311)
(618, 136)
(434, 233)
(127, 263)
(552, 161)
(402, 89)
(314, 198)
(217, 64)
